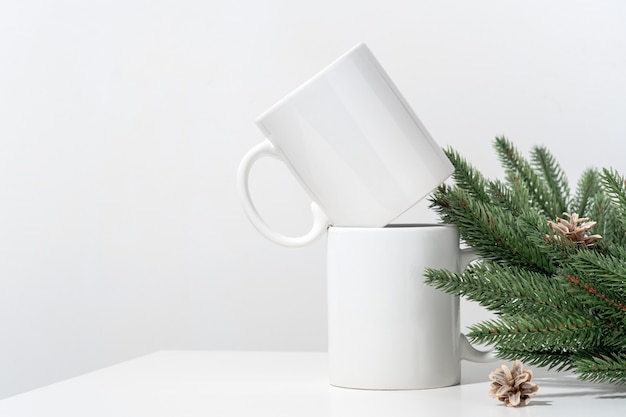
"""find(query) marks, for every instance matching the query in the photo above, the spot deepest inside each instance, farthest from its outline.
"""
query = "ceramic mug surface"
(387, 329)
(353, 143)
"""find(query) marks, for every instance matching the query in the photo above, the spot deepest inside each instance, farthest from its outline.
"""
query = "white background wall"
(122, 124)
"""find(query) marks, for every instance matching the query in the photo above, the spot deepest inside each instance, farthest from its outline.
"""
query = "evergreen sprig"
(554, 177)
(602, 368)
(559, 302)
(572, 332)
(505, 289)
(520, 173)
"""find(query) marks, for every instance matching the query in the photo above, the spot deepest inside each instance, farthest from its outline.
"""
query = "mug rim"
(398, 226)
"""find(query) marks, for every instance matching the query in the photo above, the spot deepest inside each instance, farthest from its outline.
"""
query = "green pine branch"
(614, 224)
(504, 289)
(597, 282)
(609, 368)
(559, 303)
(558, 360)
(616, 186)
(555, 179)
(467, 177)
(495, 232)
(589, 186)
(520, 173)
(526, 330)
(516, 201)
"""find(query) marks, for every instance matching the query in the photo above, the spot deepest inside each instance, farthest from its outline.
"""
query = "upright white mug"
(387, 328)
(353, 143)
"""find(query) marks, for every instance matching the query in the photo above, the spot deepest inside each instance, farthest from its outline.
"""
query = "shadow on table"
(569, 386)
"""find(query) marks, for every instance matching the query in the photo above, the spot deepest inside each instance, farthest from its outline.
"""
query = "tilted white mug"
(387, 328)
(353, 143)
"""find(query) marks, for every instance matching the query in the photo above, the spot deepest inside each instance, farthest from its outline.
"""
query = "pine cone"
(512, 386)
(575, 229)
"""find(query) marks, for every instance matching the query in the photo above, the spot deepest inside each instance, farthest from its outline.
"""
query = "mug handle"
(469, 352)
(320, 221)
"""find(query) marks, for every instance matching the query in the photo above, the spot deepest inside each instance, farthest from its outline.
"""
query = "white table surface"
(290, 384)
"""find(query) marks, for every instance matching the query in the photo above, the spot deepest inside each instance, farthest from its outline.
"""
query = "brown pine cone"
(512, 386)
(575, 230)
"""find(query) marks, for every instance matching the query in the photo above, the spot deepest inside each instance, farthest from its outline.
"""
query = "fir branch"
(599, 280)
(614, 225)
(558, 360)
(601, 211)
(588, 188)
(517, 200)
(598, 299)
(526, 331)
(616, 251)
(610, 367)
(559, 303)
(467, 177)
(605, 270)
(553, 175)
(591, 200)
(616, 187)
(519, 169)
(490, 229)
(504, 289)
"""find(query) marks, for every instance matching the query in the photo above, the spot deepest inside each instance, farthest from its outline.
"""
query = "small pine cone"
(512, 386)
(575, 230)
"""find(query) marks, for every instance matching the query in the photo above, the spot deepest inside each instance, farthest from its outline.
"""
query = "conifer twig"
(559, 293)
(519, 170)
(553, 175)
(603, 368)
